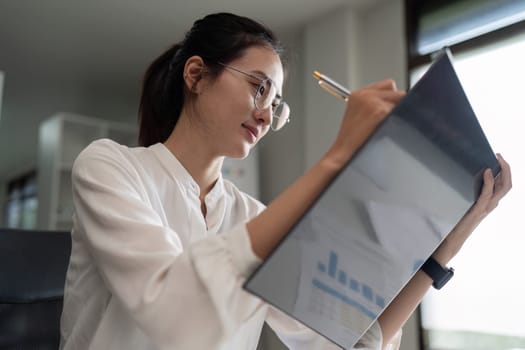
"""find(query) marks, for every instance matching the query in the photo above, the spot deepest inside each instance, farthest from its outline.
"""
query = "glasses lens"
(266, 98)
(265, 94)
(281, 116)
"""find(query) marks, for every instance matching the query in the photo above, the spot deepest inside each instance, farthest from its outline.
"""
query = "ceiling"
(105, 45)
(97, 39)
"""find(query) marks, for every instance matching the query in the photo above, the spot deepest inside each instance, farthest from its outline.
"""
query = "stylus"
(331, 86)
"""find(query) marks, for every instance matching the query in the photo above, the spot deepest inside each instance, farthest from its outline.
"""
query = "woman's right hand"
(365, 110)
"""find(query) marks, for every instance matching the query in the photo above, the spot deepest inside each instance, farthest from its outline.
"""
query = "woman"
(148, 268)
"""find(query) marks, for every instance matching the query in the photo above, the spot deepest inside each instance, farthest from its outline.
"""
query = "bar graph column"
(346, 288)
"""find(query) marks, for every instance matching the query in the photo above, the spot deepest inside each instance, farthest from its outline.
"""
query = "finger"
(386, 84)
(378, 96)
(391, 96)
(502, 184)
(492, 197)
(504, 181)
(488, 186)
(483, 203)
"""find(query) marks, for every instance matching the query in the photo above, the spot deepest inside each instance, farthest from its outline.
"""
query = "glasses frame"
(262, 82)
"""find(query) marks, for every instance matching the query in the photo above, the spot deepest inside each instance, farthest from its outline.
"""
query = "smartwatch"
(439, 274)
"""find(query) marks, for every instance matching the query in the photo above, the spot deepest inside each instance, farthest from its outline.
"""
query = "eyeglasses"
(266, 96)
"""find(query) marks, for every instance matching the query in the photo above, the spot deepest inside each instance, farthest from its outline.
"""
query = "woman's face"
(225, 107)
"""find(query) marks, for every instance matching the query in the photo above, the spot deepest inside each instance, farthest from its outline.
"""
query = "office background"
(88, 58)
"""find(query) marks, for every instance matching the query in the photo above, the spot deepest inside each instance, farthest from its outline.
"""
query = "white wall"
(31, 100)
(281, 154)
(355, 48)
(328, 47)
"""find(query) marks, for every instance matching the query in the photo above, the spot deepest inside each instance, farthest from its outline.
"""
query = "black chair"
(33, 268)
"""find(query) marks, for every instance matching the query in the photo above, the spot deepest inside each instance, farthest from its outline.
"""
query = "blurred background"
(70, 72)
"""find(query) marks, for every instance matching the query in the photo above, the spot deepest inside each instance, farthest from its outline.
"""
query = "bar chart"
(346, 288)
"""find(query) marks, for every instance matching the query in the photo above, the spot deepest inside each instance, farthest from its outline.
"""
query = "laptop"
(383, 215)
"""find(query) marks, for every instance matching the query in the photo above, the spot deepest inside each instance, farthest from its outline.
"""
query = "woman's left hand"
(491, 193)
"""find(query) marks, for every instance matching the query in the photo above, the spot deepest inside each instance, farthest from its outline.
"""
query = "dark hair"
(219, 37)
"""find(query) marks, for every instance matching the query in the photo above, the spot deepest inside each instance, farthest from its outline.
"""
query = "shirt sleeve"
(395, 342)
(297, 336)
(170, 292)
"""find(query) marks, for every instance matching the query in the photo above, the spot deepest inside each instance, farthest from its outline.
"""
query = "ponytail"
(162, 97)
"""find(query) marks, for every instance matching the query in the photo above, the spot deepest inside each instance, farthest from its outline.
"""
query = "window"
(483, 306)
(22, 203)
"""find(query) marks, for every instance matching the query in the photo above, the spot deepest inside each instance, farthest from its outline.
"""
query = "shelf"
(62, 137)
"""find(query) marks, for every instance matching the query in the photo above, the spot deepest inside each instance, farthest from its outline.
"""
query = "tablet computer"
(383, 215)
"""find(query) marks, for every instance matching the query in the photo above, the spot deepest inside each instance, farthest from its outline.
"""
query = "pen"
(331, 86)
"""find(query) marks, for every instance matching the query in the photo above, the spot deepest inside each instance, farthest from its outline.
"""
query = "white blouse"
(149, 271)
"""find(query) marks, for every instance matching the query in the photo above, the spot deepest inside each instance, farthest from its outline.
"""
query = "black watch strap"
(439, 274)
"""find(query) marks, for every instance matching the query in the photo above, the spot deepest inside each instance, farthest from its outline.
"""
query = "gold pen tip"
(317, 75)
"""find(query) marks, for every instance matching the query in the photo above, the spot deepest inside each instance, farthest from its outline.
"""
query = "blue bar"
(367, 292)
(321, 267)
(380, 301)
(354, 285)
(342, 277)
(332, 264)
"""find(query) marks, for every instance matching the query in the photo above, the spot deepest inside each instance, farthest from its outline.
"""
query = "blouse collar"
(180, 174)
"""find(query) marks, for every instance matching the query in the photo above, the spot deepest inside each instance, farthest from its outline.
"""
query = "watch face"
(438, 284)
